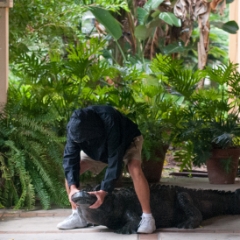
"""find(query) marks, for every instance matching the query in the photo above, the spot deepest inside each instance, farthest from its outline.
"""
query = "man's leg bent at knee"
(140, 184)
(147, 224)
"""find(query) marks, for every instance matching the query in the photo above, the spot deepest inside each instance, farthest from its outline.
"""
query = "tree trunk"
(190, 11)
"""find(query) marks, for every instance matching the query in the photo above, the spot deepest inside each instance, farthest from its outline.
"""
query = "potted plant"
(155, 116)
(210, 119)
(212, 142)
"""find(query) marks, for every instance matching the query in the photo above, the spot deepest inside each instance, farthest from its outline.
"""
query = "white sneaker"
(75, 220)
(147, 225)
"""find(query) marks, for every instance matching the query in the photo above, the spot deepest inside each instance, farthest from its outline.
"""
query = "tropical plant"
(168, 27)
(210, 117)
(30, 159)
(49, 25)
(56, 68)
(50, 81)
(143, 27)
(191, 12)
(156, 112)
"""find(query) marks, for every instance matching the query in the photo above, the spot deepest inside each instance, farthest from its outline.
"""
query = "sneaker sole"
(72, 228)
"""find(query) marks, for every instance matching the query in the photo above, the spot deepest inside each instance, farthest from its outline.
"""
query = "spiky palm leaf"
(173, 73)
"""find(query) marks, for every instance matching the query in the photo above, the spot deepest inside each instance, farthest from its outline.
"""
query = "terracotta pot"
(152, 169)
(216, 166)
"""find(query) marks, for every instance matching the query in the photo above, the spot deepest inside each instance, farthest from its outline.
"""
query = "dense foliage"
(56, 67)
(29, 158)
(209, 117)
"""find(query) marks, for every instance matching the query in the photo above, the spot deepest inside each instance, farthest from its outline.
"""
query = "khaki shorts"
(133, 152)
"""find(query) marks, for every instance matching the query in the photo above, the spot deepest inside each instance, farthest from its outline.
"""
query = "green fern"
(30, 162)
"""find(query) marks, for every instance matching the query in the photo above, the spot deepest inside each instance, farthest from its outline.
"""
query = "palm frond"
(222, 74)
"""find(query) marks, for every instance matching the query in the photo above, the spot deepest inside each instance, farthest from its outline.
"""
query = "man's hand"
(73, 189)
(100, 198)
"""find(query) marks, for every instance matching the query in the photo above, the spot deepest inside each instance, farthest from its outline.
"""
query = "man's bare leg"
(140, 185)
(147, 225)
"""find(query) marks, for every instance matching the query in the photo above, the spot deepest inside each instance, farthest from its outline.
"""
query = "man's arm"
(71, 162)
(116, 151)
(113, 172)
(71, 165)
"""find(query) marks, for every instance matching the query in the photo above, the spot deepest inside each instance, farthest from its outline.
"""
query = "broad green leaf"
(230, 27)
(170, 19)
(154, 23)
(152, 4)
(150, 86)
(108, 21)
(142, 32)
(217, 52)
(229, 1)
(155, 14)
(150, 81)
(141, 15)
(150, 91)
(173, 48)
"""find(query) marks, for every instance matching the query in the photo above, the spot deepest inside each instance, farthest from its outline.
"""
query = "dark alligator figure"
(172, 206)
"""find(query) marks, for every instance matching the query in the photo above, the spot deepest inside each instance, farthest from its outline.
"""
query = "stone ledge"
(34, 213)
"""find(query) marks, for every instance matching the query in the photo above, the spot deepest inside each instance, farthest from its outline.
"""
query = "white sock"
(74, 211)
(147, 215)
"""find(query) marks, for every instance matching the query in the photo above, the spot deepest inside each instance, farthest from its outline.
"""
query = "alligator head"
(104, 215)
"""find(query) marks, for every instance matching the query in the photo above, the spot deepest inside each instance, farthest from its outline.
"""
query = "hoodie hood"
(84, 125)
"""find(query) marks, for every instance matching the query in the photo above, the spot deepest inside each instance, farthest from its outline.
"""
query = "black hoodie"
(104, 134)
